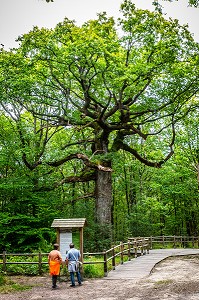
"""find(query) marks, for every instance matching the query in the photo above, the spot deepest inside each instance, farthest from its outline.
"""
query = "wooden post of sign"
(81, 243)
(58, 236)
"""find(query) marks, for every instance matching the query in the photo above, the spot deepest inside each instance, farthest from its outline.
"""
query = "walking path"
(140, 267)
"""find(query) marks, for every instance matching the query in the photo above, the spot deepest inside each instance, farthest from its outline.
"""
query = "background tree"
(170, 195)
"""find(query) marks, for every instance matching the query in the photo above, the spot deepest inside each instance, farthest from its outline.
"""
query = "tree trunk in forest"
(103, 194)
(197, 168)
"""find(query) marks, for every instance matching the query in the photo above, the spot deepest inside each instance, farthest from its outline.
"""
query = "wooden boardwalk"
(140, 267)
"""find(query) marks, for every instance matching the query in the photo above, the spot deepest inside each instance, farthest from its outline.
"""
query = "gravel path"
(175, 278)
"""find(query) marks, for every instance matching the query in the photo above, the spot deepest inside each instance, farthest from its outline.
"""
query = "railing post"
(141, 247)
(113, 258)
(193, 241)
(174, 241)
(181, 244)
(105, 264)
(135, 247)
(148, 247)
(184, 244)
(151, 242)
(145, 245)
(4, 261)
(40, 263)
(163, 241)
(129, 251)
(121, 253)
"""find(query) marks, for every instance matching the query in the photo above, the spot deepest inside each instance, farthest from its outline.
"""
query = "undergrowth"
(8, 286)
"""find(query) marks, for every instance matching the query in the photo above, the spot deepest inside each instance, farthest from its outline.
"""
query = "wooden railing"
(134, 247)
(123, 251)
(173, 241)
(109, 258)
(5, 260)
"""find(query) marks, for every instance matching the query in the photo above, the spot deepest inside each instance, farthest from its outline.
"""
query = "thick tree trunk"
(103, 193)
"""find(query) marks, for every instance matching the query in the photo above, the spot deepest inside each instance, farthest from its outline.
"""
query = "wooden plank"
(142, 266)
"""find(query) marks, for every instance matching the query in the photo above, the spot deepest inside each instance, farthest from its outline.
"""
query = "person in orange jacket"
(54, 261)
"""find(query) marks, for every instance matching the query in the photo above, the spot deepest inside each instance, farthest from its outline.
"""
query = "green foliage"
(2, 279)
(26, 267)
(97, 237)
(93, 271)
(23, 233)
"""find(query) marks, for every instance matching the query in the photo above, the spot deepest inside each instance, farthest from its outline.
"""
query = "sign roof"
(68, 223)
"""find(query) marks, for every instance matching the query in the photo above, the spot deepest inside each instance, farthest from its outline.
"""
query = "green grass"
(164, 282)
(24, 269)
(96, 270)
(8, 286)
(93, 271)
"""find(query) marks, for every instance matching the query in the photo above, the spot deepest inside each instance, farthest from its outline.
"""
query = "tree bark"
(103, 194)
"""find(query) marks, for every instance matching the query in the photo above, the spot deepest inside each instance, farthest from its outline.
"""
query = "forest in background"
(146, 201)
(99, 126)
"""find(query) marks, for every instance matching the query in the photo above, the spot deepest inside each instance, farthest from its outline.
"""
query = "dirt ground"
(173, 278)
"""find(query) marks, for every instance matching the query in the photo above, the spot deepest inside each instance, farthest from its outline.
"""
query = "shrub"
(93, 271)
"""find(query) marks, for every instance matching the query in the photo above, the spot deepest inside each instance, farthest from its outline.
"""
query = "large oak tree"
(110, 86)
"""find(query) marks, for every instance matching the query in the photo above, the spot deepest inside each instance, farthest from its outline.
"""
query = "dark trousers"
(54, 281)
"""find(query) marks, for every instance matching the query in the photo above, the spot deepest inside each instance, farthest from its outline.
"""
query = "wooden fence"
(4, 259)
(134, 247)
(123, 251)
(173, 241)
(128, 250)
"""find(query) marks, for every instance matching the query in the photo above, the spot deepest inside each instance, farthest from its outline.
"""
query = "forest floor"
(174, 278)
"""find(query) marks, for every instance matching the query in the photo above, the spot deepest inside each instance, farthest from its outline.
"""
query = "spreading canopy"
(120, 85)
